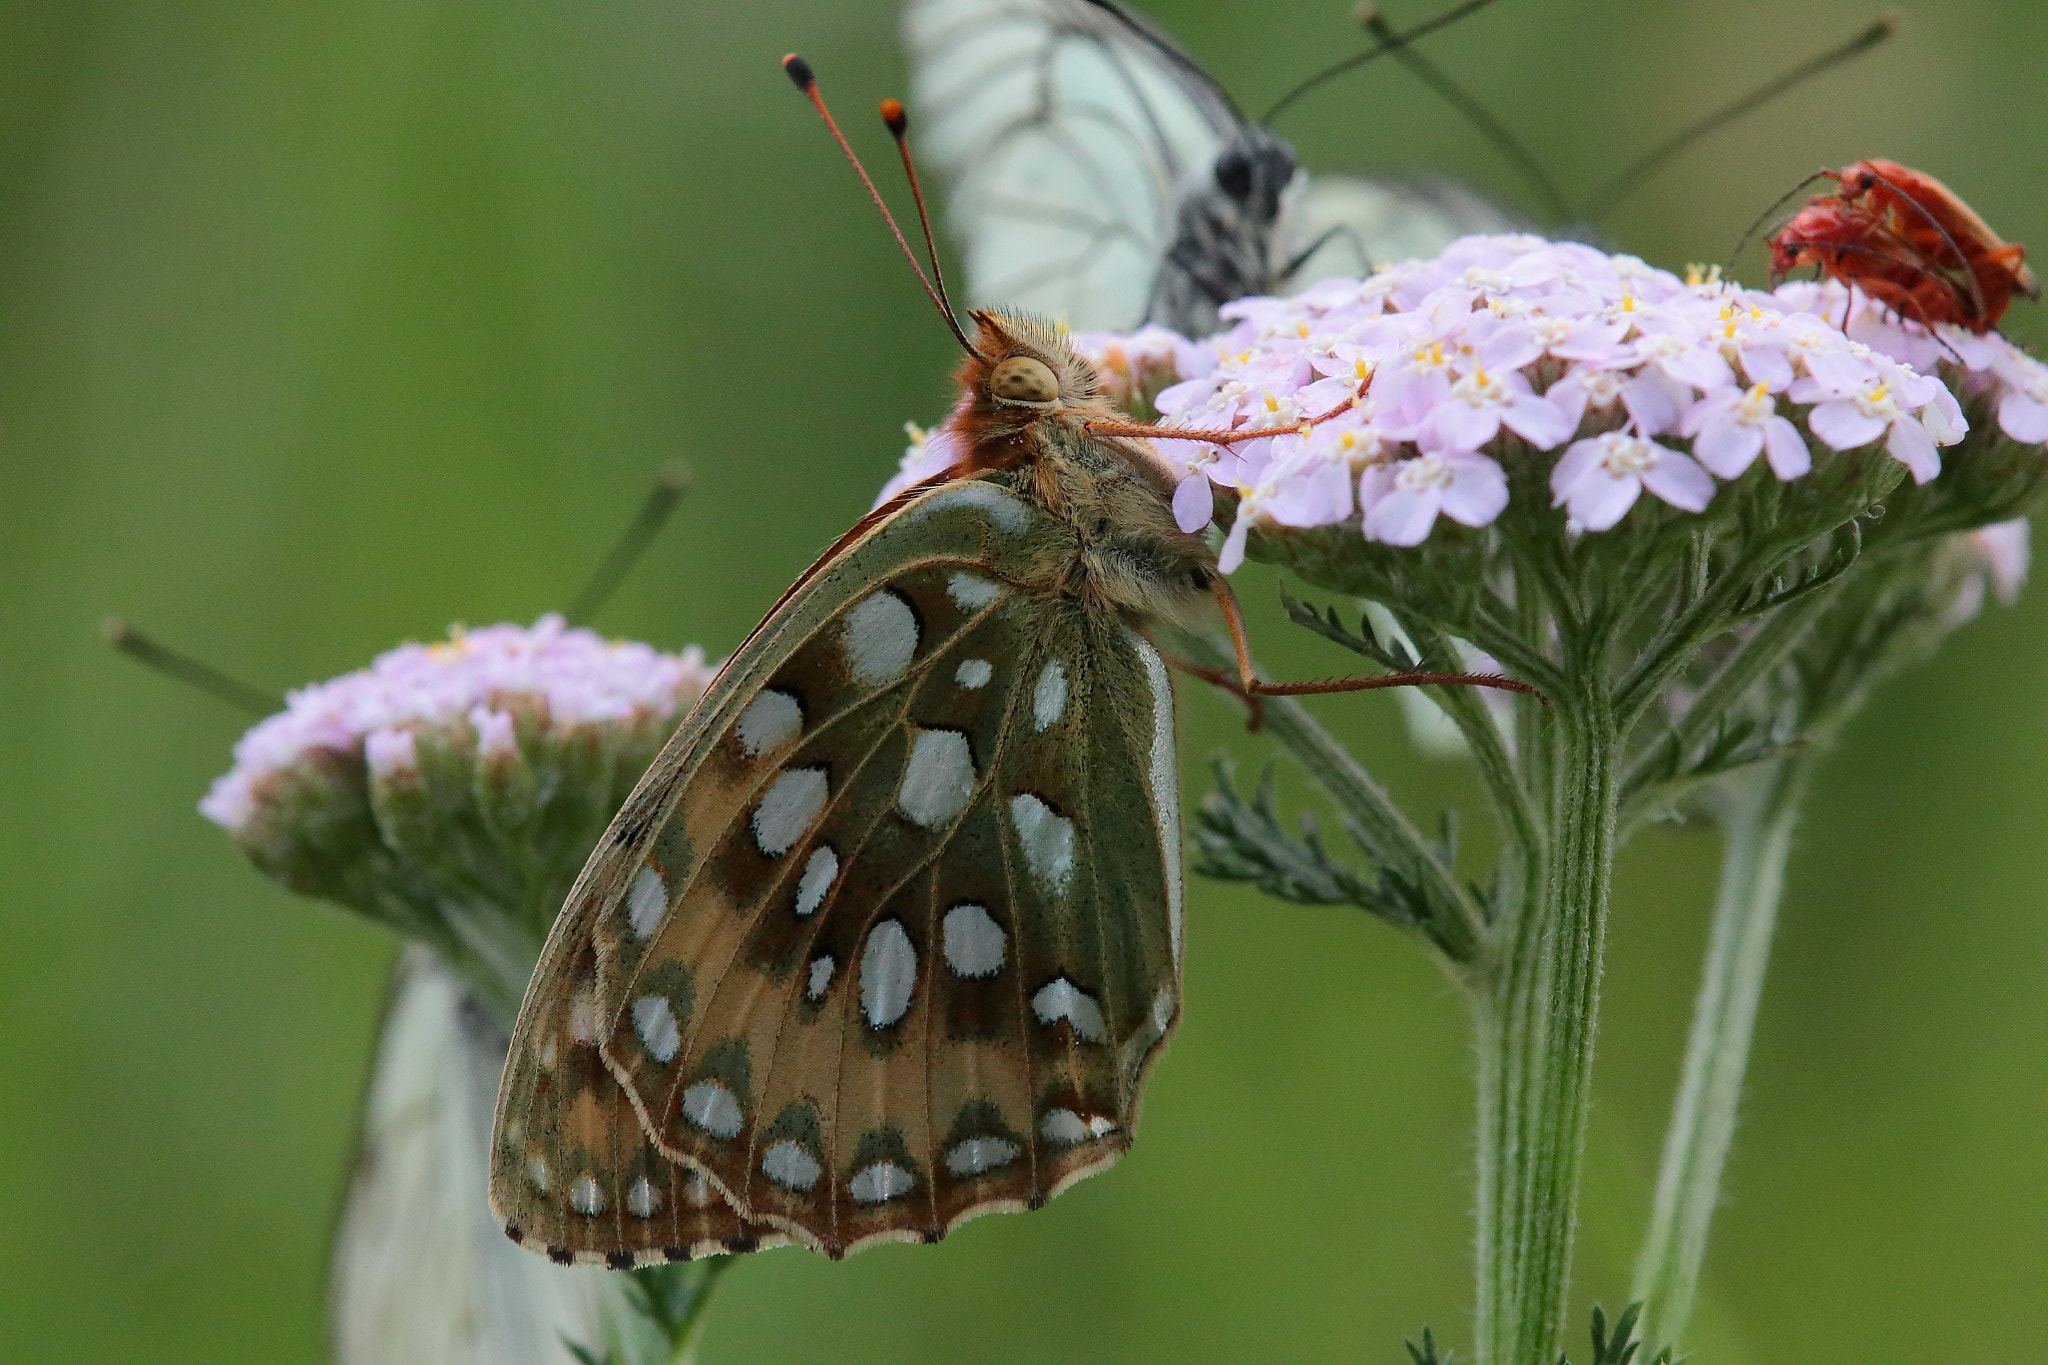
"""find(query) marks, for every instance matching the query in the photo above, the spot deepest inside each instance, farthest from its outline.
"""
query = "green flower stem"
(1392, 839)
(1489, 750)
(1536, 1006)
(1762, 808)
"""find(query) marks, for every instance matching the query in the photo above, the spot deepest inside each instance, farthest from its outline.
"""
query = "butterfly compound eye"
(1020, 379)
(1234, 174)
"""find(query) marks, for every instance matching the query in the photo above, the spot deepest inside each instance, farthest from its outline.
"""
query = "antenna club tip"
(800, 72)
(115, 631)
(893, 115)
(676, 476)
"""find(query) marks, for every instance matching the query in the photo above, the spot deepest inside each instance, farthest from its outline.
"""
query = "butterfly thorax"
(1225, 233)
(1117, 549)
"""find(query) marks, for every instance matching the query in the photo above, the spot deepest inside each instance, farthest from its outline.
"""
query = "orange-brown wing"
(926, 958)
(574, 1175)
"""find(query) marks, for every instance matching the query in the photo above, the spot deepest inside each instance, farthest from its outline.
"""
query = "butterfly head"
(1021, 376)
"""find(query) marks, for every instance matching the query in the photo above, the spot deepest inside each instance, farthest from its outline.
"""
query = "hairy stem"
(1392, 839)
(1763, 806)
(1536, 1013)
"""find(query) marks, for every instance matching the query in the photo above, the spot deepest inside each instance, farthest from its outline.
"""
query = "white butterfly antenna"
(1621, 186)
(1468, 106)
(806, 80)
(1392, 43)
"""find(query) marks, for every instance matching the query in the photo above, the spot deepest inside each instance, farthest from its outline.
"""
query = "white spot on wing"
(790, 1166)
(938, 779)
(583, 1021)
(974, 941)
(888, 972)
(973, 673)
(770, 720)
(1063, 1125)
(1002, 509)
(713, 1108)
(881, 1181)
(646, 903)
(1049, 697)
(1164, 771)
(821, 975)
(880, 636)
(819, 870)
(537, 1172)
(970, 591)
(1048, 841)
(585, 1197)
(642, 1199)
(788, 808)
(976, 1155)
(655, 1022)
(1061, 999)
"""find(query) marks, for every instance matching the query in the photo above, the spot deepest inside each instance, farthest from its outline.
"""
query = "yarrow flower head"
(452, 791)
(1506, 349)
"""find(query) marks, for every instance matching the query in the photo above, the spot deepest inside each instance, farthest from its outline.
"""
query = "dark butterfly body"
(889, 934)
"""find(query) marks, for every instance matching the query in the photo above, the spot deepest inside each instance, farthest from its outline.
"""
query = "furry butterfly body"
(889, 934)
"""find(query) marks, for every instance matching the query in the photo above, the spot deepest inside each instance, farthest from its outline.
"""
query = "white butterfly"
(422, 1274)
(1101, 178)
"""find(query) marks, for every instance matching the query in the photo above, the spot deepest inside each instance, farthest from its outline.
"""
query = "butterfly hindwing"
(573, 1175)
(892, 932)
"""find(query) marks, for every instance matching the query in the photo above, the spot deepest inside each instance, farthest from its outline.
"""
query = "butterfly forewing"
(889, 934)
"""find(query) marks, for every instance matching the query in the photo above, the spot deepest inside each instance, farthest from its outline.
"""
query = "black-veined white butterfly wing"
(1069, 136)
(422, 1273)
(1098, 177)
(1352, 224)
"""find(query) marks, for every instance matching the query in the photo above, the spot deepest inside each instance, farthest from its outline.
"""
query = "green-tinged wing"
(889, 934)
(422, 1274)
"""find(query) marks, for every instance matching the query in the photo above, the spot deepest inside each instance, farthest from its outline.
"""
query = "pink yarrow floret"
(575, 675)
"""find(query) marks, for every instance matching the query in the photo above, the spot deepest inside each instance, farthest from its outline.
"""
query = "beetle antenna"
(1768, 213)
(800, 72)
(188, 670)
(1386, 45)
(898, 124)
(1475, 113)
(1628, 181)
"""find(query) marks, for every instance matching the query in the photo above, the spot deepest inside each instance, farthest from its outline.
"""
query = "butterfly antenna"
(188, 670)
(1629, 180)
(898, 124)
(1358, 59)
(669, 486)
(807, 81)
(1475, 113)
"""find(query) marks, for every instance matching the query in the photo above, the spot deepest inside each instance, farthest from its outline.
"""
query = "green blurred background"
(325, 324)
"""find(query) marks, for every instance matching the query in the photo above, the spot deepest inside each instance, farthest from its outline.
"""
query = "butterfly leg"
(1251, 687)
